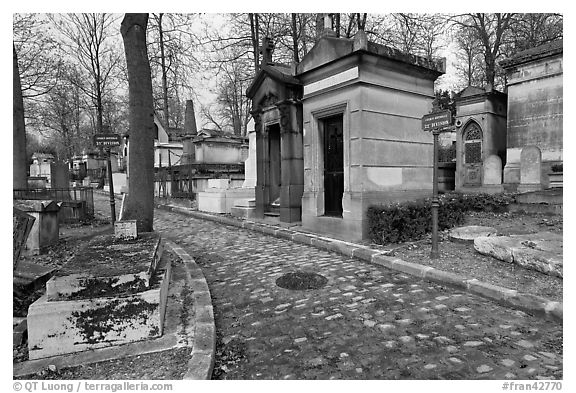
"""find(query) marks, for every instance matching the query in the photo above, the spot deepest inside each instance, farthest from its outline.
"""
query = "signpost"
(437, 122)
(108, 141)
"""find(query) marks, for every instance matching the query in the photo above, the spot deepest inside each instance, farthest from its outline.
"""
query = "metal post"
(111, 186)
(435, 203)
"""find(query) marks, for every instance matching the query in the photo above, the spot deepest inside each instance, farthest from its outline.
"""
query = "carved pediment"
(269, 99)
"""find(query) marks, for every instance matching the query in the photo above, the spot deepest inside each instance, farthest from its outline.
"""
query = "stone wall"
(535, 111)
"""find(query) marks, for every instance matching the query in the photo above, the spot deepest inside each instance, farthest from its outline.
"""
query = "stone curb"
(507, 297)
(201, 362)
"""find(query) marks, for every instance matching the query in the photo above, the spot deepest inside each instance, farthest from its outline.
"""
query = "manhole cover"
(301, 281)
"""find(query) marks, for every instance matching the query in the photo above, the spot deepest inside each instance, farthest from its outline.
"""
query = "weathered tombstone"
(22, 224)
(45, 231)
(492, 174)
(530, 169)
(59, 175)
(125, 229)
(493, 170)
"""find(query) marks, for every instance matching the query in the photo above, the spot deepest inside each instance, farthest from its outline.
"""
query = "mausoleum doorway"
(472, 139)
(274, 168)
(333, 141)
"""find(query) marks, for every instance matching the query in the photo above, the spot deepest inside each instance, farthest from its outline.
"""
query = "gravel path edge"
(202, 358)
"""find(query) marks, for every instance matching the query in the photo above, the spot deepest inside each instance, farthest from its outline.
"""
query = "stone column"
(292, 186)
(250, 162)
(261, 164)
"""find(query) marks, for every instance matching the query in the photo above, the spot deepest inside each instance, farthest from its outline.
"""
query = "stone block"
(45, 231)
(541, 251)
(125, 229)
(219, 183)
(222, 201)
(467, 234)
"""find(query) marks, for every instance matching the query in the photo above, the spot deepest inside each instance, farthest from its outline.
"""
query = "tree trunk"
(19, 159)
(255, 41)
(295, 39)
(490, 68)
(140, 201)
(164, 73)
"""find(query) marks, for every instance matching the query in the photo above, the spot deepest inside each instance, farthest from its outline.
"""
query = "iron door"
(472, 141)
(333, 165)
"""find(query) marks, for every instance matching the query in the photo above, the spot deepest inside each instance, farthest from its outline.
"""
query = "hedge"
(408, 221)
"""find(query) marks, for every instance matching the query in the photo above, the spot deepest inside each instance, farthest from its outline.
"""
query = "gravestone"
(59, 175)
(530, 169)
(45, 231)
(22, 224)
(492, 174)
(493, 170)
(125, 229)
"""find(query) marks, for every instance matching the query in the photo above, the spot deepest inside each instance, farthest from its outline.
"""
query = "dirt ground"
(463, 259)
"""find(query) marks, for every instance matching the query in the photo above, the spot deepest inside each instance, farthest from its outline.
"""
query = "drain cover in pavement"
(301, 281)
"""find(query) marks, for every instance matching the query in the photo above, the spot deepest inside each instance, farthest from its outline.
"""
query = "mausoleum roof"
(279, 72)
(209, 134)
(549, 49)
(329, 49)
(474, 91)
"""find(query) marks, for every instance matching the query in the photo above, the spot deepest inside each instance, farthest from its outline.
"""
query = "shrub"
(408, 221)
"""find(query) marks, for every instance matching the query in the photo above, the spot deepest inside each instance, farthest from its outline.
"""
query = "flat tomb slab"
(467, 234)
(539, 251)
(69, 326)
(108, 266)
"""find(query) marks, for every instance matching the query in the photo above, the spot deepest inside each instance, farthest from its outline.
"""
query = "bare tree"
(469, 64)
(531, 30)
(491, 30)
(171, 47)
(140, 200)
(62, 117)
(254, 35)
(39, 63)
(89, 38)
(19, 161)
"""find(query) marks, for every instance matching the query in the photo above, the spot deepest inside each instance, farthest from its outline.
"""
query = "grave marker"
(493, 170)
(125, 229)
(22, 225)
(530, 163)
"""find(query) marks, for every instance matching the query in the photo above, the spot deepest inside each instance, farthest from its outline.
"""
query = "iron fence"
(60, 195)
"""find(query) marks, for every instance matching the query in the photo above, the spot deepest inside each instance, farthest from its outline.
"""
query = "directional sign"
(437, 121)
(107, 140)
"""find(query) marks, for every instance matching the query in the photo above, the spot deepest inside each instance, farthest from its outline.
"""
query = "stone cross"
(266, 50)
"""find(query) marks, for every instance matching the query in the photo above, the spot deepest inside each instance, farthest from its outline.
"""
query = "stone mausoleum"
(342, 131)
(535, 115)
(480, 140)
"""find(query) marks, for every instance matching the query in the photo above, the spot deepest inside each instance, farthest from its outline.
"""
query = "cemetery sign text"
(437, 120)
(107, 140)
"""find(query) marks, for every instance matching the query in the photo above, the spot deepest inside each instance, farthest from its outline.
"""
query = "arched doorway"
(472, 140)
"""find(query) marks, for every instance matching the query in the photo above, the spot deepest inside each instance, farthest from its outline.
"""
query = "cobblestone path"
(367, 322)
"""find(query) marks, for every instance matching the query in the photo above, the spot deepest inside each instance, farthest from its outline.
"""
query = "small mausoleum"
(535, 114)
(480, 140)
(277, 111)
(363, 143)
(342, 131)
